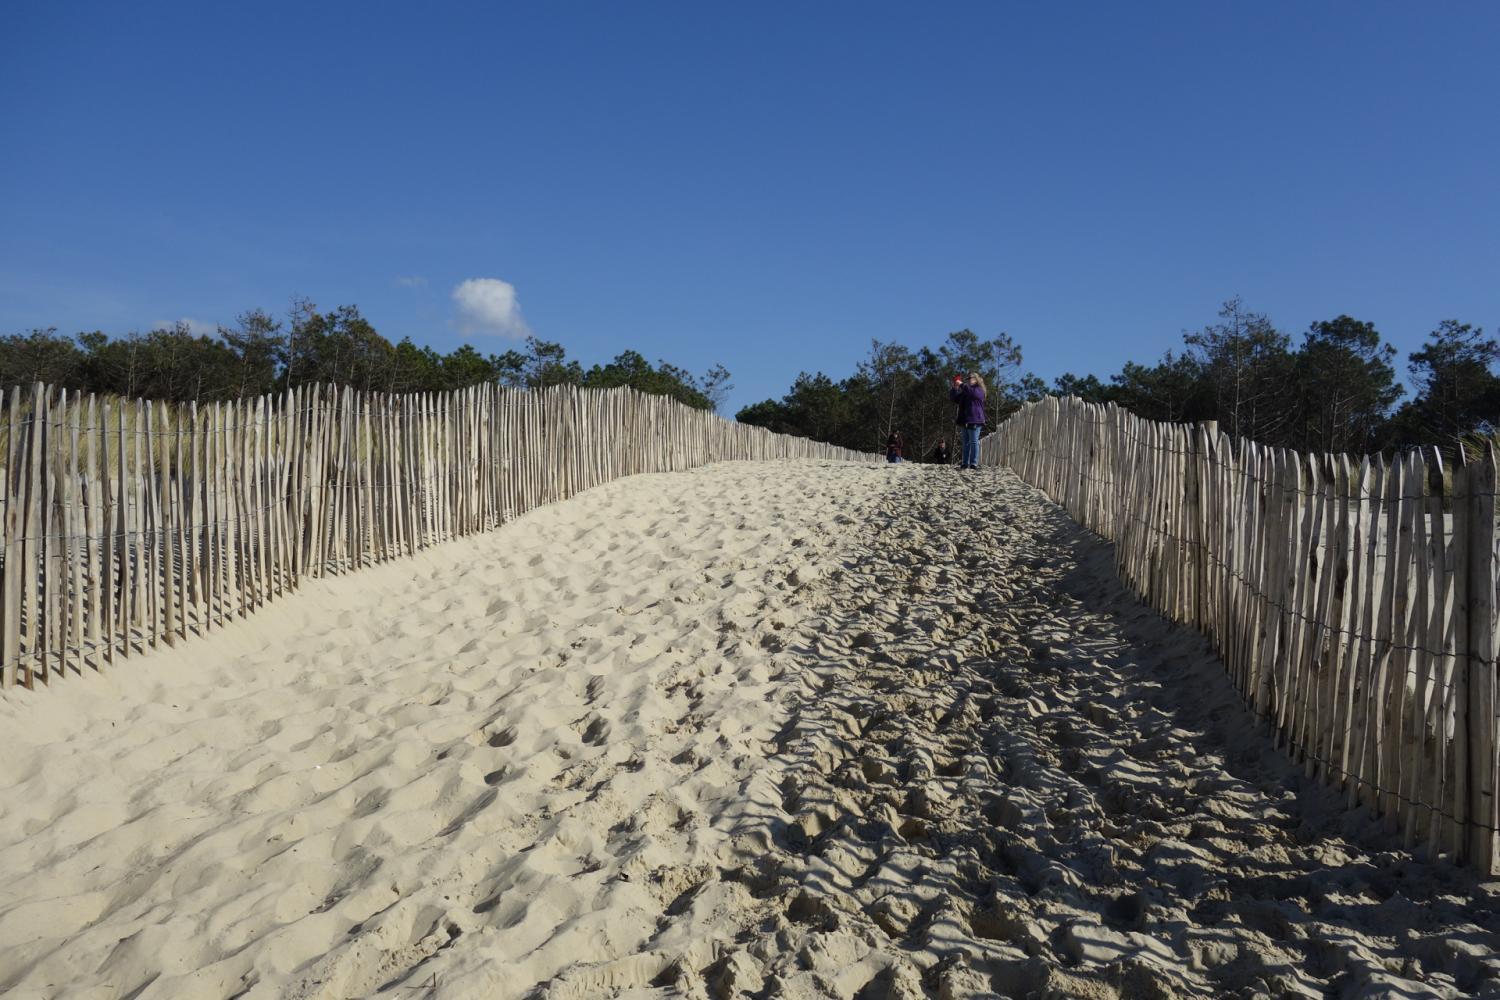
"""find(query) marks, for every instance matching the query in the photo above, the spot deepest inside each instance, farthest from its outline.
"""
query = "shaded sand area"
(782, 729)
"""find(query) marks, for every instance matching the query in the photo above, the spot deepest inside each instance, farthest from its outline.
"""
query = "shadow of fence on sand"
(1009, 775)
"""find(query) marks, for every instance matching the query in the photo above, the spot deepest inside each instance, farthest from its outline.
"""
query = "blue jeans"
(969, 457)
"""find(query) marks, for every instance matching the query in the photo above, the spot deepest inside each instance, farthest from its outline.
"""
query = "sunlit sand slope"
(513, 746)
(768, 730)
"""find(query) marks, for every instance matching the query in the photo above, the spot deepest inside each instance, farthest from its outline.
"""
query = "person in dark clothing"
(894, 445)
(940, 455)
(969, 395)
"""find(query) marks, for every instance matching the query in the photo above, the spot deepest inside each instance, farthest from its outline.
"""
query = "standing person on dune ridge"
(970, 417)
(894, 446)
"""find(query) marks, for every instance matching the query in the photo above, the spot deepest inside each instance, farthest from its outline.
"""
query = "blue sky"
(767, 185)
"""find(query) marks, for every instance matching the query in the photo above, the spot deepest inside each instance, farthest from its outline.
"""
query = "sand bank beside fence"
(771, 729)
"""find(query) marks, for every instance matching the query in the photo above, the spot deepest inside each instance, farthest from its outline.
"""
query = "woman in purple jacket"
(970, 399)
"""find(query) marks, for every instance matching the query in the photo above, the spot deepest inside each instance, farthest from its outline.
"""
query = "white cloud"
(196, 327)
(410, 281)
(489, 305)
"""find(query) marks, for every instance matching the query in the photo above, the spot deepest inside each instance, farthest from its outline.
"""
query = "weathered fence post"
(136, 522)
(1343, 614)
(1478, 552)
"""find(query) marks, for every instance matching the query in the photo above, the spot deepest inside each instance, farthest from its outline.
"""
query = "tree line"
(263, 354)
(1336, 390)
(897, 388)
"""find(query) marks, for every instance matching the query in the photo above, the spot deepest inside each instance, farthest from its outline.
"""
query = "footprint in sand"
(595, 731)
(594, 690)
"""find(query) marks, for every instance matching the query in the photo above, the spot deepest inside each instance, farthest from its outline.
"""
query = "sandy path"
(757, 730)
(1021, 782)
(474, 769)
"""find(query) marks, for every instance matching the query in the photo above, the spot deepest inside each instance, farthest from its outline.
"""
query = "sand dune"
(1021, 782)
(491, 763)
(782, 729)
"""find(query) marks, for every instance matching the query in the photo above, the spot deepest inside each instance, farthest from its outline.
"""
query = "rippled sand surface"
(760, 729)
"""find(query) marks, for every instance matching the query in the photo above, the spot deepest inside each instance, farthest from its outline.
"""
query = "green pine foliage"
(1334, 391)
(261, 354)
(897, 388)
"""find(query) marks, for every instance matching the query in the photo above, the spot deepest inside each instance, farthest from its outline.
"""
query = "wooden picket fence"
(130, 523)
(1353, 601)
